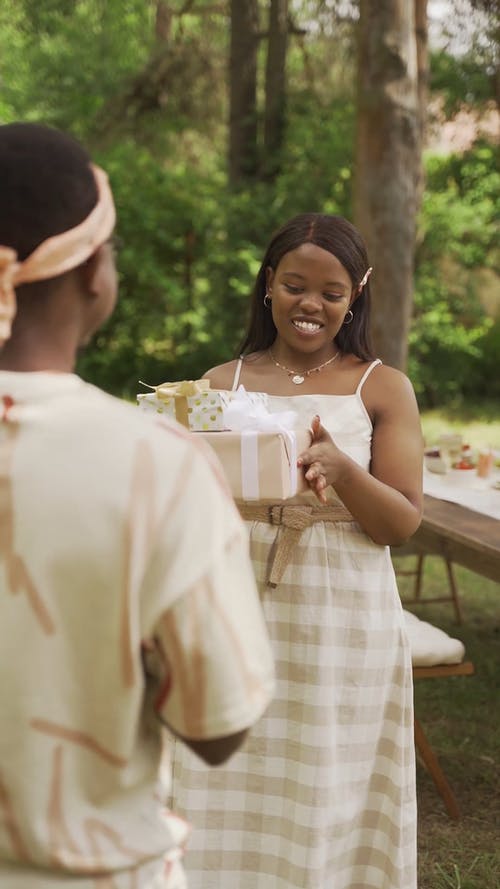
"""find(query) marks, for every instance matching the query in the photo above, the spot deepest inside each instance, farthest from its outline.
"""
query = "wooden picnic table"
(460, 535)
(471, 539)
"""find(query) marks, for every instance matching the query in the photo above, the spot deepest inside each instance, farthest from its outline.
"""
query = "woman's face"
(311, 292)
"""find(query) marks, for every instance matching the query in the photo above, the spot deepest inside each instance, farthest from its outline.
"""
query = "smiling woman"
(323, 793)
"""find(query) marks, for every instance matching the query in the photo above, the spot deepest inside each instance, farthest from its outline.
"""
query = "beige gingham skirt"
(322, 794)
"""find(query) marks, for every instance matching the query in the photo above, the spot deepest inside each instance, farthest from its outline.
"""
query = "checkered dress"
(322, 795)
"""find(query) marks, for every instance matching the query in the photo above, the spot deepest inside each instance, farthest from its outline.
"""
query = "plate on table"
(434, 462)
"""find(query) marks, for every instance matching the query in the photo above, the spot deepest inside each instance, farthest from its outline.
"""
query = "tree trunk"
(243, 91)
(163, 21)
(387, 166)
(421, 36)
(274, 118)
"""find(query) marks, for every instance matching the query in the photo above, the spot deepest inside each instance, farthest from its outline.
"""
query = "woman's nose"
(311, 301)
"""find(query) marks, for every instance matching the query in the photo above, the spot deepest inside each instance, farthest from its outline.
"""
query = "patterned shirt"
(126, 594)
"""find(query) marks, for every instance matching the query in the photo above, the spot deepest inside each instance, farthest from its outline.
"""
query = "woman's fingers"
(319, 433)
(315, 471)
(320, 437)
(318, 487)
(315, 427)
(317, 481)
(309, 457)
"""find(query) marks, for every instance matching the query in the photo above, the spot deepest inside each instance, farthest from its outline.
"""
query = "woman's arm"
(387, 501)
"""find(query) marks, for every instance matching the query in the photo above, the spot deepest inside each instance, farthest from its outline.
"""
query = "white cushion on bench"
(431, 646)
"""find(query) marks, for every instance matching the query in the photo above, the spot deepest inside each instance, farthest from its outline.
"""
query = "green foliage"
(461, 80)
(169, 221)
(61, 61)
(452, 334)
(318, 161)
(475, 178)
(192, 250)
(153, 110)
(485, 377)
(444, 351)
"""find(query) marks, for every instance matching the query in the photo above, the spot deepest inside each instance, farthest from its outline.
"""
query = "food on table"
(466, 460)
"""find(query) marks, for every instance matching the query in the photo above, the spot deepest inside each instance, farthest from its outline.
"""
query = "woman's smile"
(306, 327)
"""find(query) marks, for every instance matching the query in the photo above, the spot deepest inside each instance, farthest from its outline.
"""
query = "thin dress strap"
(366, 374)
(237, 374)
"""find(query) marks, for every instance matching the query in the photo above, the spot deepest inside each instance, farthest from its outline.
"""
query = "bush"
(191, 251)
(452, 333)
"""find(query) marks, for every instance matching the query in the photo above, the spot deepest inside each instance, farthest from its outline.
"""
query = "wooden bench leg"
(454, 591)
(418, 577)
(432, 765)
(417, 598)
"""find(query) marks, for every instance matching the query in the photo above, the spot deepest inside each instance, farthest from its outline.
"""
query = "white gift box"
(259, 450)
(191, 402)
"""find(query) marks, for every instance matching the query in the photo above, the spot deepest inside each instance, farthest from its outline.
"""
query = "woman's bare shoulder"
(222, 376)
(383, 376)
(386, 388)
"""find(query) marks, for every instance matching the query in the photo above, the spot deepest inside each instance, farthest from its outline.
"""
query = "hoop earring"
(349, 312)
(267, 301)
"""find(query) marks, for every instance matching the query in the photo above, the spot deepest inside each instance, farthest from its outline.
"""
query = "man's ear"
(89, 272)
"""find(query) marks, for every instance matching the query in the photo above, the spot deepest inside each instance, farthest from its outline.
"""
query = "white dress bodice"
(344, 416)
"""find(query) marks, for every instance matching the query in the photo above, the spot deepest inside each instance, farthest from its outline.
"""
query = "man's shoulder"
(116, 422)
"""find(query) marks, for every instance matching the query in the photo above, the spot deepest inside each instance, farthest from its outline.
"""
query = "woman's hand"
(319, 460)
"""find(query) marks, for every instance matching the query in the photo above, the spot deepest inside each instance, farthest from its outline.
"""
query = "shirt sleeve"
(216, 674)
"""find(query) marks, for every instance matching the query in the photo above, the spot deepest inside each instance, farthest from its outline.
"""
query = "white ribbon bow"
(249, 416)
(246, 412)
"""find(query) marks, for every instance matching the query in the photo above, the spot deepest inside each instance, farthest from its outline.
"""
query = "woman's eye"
(292, 289)
(332, 297)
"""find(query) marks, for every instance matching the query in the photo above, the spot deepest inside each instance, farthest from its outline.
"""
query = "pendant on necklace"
(298, 379)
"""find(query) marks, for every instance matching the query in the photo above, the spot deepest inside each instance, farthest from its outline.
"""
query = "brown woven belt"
(292, 521)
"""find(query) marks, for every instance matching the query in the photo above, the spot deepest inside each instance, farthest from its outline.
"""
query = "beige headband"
(56, 255)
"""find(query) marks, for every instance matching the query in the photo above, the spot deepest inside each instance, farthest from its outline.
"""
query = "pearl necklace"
(298, 377)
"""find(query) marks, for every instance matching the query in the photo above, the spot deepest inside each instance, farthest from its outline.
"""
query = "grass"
(480, 424)
(461, 718)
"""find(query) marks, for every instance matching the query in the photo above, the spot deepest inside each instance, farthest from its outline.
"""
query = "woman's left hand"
(319, 460)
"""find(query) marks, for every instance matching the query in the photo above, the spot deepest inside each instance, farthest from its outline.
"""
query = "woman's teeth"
(307, 325)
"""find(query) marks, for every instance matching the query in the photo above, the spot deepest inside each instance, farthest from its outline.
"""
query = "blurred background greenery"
(146, 84)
